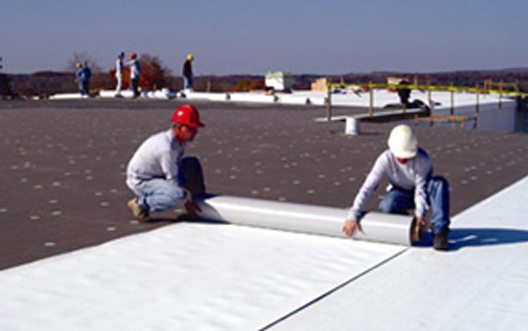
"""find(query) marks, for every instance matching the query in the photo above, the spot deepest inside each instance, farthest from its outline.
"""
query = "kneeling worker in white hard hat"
(158, 174)
(409, 171)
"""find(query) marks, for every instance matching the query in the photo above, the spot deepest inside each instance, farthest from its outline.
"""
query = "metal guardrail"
(425, 87)
(369, 87)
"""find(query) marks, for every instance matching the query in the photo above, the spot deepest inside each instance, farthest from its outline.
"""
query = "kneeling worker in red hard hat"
(409, 170)
(157, 171)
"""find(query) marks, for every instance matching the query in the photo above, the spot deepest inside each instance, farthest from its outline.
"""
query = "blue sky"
(238, 37)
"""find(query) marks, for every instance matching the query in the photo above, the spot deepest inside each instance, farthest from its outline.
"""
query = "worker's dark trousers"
(187, 82)
(134, 86)
(158, 194)
(191, 175)
(399, 201)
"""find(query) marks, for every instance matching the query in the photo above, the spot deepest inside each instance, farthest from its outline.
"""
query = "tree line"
(154, 75)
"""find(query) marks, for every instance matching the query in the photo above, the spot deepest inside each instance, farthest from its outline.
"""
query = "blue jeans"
(158, 194)
(187, 83)
(83, 87)
(134, 85)
(399, 201)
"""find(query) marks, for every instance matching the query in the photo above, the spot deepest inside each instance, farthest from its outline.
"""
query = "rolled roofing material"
(378, 227)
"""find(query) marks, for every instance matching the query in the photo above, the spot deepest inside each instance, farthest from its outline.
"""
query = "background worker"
(409, 171)
(82, 76)
(85, 78)
(119, 67)
(135, 73)
(188, 73)
(404, 93)
(158, 174)
(78, 75)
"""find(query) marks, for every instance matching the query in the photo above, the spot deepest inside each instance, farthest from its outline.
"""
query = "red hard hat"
(133, 55)
(187, 115)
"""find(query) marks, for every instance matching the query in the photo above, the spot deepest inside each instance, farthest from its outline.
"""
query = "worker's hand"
(350, 227)
(420, 221)
(192, 209)
(419, 227)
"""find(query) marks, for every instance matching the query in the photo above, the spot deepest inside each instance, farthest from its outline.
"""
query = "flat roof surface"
(64, 163)
(481, 285)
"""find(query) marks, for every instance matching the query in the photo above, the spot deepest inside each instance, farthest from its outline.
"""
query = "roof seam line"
(333, 290)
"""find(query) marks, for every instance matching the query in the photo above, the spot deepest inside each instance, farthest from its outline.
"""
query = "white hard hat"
(402, 142)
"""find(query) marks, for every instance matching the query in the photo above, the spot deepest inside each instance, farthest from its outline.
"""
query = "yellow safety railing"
(424, 87)
(369, 87)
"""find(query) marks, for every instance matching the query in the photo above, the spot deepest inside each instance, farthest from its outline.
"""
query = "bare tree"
(83, 57)
(5, 86)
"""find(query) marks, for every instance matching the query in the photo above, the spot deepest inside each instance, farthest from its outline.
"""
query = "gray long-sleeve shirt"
(412, 175)
(157, 157)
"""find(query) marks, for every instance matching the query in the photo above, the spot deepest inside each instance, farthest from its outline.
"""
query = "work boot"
(440, 241)
(140, 213)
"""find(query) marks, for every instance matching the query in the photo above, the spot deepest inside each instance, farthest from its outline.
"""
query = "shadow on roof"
(474, 237)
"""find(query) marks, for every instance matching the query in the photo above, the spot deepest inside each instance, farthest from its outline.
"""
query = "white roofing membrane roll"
(377, 227)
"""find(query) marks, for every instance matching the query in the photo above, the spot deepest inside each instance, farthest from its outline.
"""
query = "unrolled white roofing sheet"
(226, 277)
(481, 285)
(183, 277)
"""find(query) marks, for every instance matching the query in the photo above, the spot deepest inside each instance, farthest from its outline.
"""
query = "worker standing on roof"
(85, 78)
(409, 171)
(404, 93)
(135, 73)
(158, 174)
(83, 75)
(119, 66)
(188, 73)
(78, 77)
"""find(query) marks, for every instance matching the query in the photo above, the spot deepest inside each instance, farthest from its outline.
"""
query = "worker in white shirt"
(409, 171)
(119, 66)
(159, 175)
